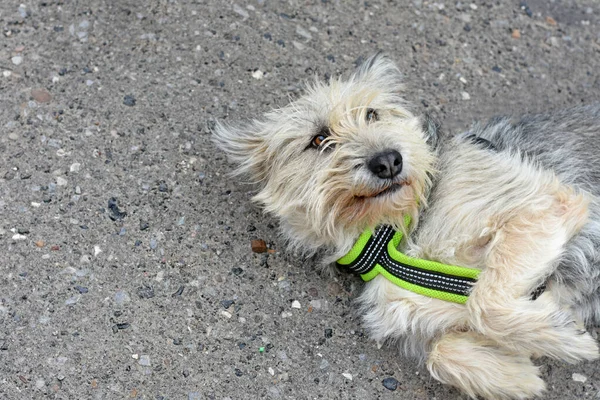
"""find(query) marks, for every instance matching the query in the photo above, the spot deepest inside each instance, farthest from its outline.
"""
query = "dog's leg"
(479, 367)
(523, 251)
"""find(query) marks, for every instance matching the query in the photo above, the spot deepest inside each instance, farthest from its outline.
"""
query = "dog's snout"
(386, 165)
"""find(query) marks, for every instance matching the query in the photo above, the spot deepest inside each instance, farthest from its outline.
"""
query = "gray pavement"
(125, 266)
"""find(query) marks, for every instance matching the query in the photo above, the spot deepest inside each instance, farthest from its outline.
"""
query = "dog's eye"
(318, 140)
(372, 115)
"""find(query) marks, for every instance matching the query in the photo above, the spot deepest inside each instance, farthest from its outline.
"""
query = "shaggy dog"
(502, 211)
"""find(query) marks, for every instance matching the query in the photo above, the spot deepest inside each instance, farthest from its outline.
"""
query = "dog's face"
(346, 156)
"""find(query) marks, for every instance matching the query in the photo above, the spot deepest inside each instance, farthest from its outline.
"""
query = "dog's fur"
(516, 207)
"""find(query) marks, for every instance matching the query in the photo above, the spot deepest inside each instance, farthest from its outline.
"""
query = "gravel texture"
(126, 268)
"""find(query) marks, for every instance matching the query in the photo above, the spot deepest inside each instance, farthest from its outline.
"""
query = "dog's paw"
(479, 367)
(579, 345)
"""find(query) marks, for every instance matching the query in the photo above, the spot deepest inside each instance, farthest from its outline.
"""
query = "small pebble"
(516, 34)
(41, 95)
(550, 21)
(390, 383)
(226, 314)
(72, 300)
(144, 360)
(258, 246)
(60, 181)
(324, 364)
(227, 303)
(129, 100)
(296, 304)
(258, 74)
(81, 289)
(115, 212)
(240, 11)
(465, 96)
(75, 167)
(40, 243)
(17, 60)
(97, 250)
(17, 237)
(347, 376)
(579, 377)
(121, 297)
(179, 291)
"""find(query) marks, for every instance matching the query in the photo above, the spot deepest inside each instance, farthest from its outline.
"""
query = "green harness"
(376, 253)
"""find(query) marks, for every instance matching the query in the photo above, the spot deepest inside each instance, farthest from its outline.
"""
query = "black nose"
(386, 164)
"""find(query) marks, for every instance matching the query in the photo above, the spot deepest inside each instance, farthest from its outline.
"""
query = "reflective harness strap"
(376, 253)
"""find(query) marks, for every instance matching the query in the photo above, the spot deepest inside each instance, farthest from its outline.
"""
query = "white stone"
(60, 181)
(347, 376)
(6, 74)
(226, 314)
(144, 361)
(296, 304)
(159, 276)
(18, 236)
(298, 45)
(465, 96)
(303, 32)
(316, 304)
(579, 378)
(240, 11)
(463, 80)
(135, 356)
(97, 250)
(258, 74)
(17, 60)
(34, 204)
(75, 167)
(473, 6)
(271, 371)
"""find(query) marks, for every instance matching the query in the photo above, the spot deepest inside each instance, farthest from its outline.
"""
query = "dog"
(510, 206)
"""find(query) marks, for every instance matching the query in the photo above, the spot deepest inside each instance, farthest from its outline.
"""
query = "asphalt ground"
(125, 263)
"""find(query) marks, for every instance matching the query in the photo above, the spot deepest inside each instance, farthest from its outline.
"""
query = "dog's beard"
(368, 204)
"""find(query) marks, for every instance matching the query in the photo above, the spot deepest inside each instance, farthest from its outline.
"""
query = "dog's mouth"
(390, 189)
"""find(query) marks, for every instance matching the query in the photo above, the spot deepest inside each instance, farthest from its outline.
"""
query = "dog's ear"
(245, 147)
(433, 131)
(380, 70)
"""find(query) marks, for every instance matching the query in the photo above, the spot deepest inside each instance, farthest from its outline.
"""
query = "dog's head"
(346, 156)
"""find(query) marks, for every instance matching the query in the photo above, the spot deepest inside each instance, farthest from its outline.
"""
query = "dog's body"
(348, 156)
